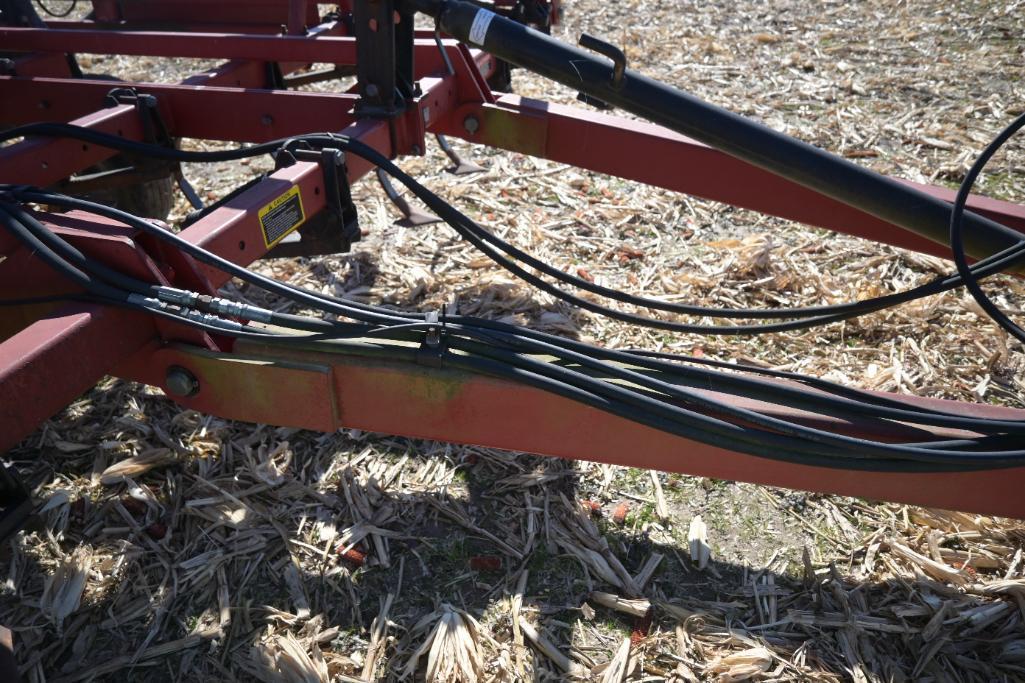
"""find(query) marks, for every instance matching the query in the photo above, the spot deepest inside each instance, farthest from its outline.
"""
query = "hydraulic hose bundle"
(658, 390)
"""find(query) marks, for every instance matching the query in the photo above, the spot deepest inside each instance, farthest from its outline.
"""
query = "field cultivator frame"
(410, 85)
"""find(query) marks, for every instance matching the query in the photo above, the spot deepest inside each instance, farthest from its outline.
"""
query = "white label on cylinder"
(479, 27)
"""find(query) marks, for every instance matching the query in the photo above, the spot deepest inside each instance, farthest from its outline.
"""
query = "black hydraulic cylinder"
(731, 133)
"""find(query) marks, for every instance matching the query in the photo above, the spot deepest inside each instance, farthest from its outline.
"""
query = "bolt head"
(180, 382)
(471, 124)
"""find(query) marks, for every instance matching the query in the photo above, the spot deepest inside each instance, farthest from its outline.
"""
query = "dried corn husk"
(136, 465)
(63, 590)
(697, 537)
(452, 647)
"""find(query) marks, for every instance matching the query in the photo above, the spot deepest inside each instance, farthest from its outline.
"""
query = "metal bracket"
(153, 128)
(612, 52)
(154, 131)
(331, 231)
(384, 58)
(432, 351)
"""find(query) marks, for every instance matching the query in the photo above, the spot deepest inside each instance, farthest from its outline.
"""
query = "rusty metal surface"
(287, 387)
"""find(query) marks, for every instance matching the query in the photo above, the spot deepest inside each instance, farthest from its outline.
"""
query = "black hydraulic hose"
(838, 399)
(314, 326)
(476, 234)
(54, 260)
(857, 404)
(75, 257)
(299, 322)
(731, 133)
(834, 388)
(764, 445)
(320, 327)
(323, 326)
(111, 293)
(118, 279)
(514, 340)
(844, 408)
(479, 238)
(958, 225)
(847, 311)
(776, 424)
(783, 426)
(854, 451)
(290, 292)
(826, 313)
(101, 139)
(331, 330)
(751, 443)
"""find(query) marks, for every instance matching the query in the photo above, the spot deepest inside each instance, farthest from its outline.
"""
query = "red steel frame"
(51, 354)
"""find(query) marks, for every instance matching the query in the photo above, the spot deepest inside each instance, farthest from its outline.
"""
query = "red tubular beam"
(243, 115)
(333, 50)
(195, 111)
(43, 64)
(272, 13)
(656, 156)
(322, 46)
(326, 391)
(44, 161)
(183, 27)
(50, 363)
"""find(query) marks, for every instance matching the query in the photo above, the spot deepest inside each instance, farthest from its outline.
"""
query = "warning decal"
(281, 216)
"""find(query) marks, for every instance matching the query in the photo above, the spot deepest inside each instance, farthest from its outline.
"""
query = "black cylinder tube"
(757, 144)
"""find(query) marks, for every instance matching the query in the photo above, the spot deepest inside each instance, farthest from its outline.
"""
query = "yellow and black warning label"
(281, 216)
